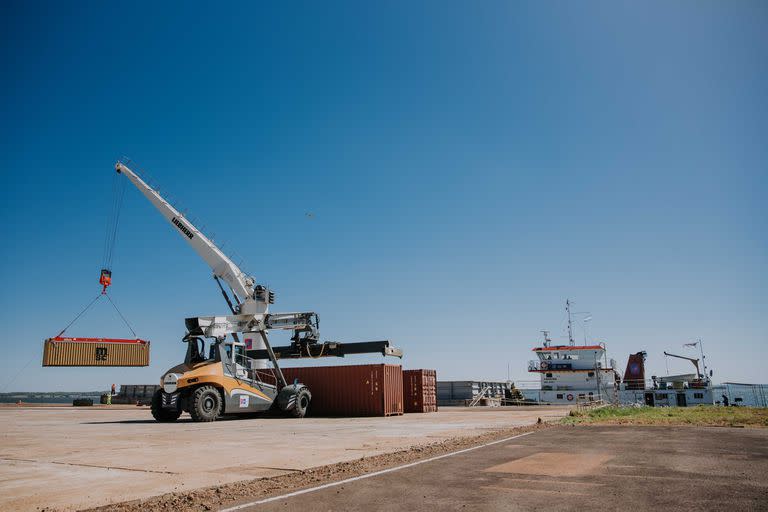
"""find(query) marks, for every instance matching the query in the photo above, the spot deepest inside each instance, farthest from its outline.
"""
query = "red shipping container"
(420, 390)
(358, 390)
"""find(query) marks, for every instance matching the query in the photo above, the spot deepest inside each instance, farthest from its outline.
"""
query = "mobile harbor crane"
(235, 376)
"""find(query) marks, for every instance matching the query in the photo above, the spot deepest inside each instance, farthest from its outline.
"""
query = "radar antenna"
(547, 339)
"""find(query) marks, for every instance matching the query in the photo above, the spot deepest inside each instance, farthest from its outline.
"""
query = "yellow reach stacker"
(237, 372)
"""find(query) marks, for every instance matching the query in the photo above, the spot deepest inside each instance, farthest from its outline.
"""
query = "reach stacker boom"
(237, 376)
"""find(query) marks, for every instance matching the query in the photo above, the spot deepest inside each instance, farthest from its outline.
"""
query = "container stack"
(420, 390)
(357, 390)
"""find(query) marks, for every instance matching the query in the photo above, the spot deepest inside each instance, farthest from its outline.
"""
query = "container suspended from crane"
(66, 351)
(60, 351)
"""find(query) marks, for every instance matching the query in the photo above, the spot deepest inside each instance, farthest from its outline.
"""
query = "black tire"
(160, 413)
(205, 404)
(303, 397)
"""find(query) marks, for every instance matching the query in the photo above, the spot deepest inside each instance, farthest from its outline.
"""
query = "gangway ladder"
(480, 396)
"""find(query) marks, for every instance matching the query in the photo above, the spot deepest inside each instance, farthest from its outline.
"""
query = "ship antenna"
(546, 338)
(570, 327)
(703, 359)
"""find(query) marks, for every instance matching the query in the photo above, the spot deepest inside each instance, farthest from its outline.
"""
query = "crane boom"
(242, 285)
(250, 311)
(693, 360)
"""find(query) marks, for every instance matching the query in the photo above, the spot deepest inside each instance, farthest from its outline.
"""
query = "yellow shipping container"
(95, 352)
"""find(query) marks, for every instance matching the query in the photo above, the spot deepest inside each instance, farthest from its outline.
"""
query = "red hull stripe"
(567, 347)
(566, 371)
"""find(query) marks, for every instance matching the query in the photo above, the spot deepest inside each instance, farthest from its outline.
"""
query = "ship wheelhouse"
(571, 373)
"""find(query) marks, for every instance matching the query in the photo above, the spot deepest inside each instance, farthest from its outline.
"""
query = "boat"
(574, 374)
(682, 390)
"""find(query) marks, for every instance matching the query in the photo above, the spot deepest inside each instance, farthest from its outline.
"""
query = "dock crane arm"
(242, 285)
(250, 310)
(691, 359)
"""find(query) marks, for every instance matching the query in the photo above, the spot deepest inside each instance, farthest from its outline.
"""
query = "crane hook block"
(105, 279)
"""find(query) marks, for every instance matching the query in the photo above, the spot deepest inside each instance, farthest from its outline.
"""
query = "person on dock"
(110, 395)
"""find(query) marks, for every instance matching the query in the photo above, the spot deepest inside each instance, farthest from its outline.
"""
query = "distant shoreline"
(62, 405)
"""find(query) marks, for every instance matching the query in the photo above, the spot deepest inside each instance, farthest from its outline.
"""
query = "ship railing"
(636, 384)
(661, 384)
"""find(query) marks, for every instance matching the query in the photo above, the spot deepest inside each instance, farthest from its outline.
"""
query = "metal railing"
(480, 396)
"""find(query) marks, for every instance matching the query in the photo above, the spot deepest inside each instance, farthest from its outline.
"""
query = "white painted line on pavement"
(367, 475)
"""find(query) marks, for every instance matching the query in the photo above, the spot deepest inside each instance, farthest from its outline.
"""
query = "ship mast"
(703, 360)
(570, 327)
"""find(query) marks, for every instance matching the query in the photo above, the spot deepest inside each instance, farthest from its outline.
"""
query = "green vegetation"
(691, 416)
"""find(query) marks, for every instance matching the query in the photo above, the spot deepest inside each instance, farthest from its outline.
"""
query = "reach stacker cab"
(222, 382)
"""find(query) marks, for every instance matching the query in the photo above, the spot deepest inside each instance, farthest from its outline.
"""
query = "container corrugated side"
(74, 352)
(393, 390)
(420, 390)
(355, 390)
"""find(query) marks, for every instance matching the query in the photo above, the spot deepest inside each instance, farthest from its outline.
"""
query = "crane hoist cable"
(110, 238)
(90, 304)
(110, 235)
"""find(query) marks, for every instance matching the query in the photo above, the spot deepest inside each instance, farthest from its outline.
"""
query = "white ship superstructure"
(571, 373)
(582, 373)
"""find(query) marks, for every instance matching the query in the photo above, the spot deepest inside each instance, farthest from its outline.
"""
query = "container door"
(649, 399)
(681, 401)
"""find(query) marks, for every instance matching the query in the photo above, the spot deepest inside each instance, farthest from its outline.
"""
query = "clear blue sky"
(469, 166)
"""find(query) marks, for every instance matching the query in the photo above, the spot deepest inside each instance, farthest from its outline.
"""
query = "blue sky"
(469, 167)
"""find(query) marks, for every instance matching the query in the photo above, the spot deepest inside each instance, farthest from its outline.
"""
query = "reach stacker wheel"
(163, 414)
(302, 403)
(205, 404)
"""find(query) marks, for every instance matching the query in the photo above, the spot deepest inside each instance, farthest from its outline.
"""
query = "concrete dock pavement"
(72, 458)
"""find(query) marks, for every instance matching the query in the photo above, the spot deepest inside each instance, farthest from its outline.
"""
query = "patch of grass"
(701, 415)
